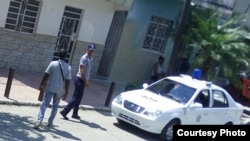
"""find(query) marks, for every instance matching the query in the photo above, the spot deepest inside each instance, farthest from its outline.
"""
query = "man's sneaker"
(64, 116)
(37, 125)
(76, 116)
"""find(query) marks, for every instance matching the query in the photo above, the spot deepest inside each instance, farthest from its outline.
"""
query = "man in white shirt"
(81, 81)
(55, 83)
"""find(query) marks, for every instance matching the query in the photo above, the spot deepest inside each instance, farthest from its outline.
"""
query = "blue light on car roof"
(196, 74)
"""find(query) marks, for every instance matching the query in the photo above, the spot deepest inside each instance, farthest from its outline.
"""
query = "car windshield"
(173, 90)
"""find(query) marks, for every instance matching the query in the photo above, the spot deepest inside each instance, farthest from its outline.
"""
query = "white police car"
(176, 100)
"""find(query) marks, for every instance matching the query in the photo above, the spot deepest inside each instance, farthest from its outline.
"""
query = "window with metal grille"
(157, 34)
(68, 31)
(22, 15)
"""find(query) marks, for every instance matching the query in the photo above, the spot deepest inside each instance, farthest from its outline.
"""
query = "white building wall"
(34, 52)
(95, 24)
(243, 7)
(95, 12)
(4, 6)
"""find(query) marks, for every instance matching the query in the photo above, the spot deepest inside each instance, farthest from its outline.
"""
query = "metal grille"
(22, 15)
(133, 107)
(68, 31)
(156, 37)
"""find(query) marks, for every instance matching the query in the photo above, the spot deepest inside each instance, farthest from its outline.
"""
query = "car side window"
(203, 98)
(219, 99)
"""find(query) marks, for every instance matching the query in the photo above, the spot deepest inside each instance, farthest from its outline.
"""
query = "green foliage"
(215, 46)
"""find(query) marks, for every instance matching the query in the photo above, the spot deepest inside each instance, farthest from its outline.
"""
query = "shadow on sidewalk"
(16, 130)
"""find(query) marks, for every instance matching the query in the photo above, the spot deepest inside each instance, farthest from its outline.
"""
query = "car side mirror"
(196, 105)
(145, 85)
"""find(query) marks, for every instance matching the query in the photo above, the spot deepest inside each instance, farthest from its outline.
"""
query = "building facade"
(130, 35)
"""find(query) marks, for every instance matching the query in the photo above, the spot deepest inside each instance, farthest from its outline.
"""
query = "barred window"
(22, 15)
(157, 33)
(69, 28)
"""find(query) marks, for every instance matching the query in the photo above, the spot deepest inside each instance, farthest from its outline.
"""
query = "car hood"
(150, 100)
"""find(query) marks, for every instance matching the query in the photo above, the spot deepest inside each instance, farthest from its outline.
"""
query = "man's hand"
(86, 83)
(64, 96)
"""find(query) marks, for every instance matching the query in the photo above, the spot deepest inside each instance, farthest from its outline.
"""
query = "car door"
(199, 115)
(220, 106)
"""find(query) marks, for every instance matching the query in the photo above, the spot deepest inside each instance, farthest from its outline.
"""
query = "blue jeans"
(45, 103)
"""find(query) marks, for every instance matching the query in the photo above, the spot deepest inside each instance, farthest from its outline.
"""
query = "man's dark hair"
(62, 54)
(161, 58)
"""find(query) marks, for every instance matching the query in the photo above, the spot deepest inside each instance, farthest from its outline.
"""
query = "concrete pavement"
(18, 113)
(24, 90)
(17, 123)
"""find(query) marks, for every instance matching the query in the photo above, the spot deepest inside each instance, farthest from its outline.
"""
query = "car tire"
(229, 123)
(167, 132)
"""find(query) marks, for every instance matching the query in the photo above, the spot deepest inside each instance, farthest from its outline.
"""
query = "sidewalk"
(24, 90)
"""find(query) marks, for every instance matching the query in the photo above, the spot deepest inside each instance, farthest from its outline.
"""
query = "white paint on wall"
(4, 6)
(95, 25)
(96, 20)
(97, 17)
(50, 17)
(243, 6)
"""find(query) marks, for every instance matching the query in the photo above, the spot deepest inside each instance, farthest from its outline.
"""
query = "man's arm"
(83, 75)
(67, 83)
(44, 82)
(155, 68)
(43, 85)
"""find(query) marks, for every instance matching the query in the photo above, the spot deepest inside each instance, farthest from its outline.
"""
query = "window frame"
(155, 40)
(25, 17)
(225, 99)
(206, 95)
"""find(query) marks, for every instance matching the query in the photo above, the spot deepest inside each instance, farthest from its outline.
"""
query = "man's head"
(62, 54)
(91, 49)
(161, 59)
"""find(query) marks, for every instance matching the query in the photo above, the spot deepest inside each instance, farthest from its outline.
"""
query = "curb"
(82, 107)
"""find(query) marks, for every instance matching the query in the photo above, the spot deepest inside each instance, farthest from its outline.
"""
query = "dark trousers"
(74, 103)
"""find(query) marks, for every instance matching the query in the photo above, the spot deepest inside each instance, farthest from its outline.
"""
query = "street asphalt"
(17, 123)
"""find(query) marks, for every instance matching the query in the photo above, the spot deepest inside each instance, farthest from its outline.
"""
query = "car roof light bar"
(196, 74)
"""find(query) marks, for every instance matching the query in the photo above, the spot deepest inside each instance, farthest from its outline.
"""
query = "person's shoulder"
(84, 55)
(68, 65)
(53, 62)
(65, 63)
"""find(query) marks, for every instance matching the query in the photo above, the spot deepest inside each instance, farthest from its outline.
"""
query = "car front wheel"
(167, 132)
